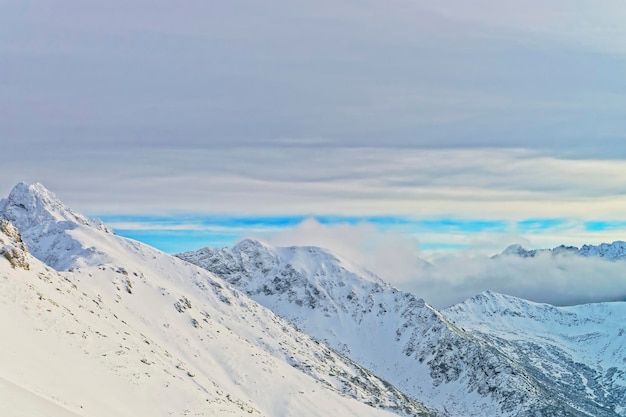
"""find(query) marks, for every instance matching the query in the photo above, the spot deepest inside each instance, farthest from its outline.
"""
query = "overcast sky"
(456, 124)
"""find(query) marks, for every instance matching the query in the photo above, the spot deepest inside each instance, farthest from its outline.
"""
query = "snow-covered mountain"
(53, 231)
(98, 325)
(580, 349)
(610, 251)
(94, 324)
(395, 334)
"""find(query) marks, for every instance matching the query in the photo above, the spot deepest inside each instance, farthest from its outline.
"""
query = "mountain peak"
(519, 251)
(45, 224)
(29, 205)
(250, 244)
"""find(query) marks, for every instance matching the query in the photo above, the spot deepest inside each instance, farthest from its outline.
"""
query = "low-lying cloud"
(557, 280)
(386, 253)
(449, 279)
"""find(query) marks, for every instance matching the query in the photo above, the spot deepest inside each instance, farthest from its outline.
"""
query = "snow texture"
(100, 325)
(94, 324)
(579, 350)
(396, 335)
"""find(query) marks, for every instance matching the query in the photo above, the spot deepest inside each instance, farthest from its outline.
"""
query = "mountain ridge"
(615, 251)
(581, 347)
(332, 337)
(425, 354)
(162, 336)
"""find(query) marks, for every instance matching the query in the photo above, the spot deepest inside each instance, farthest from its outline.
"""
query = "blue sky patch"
(603, 226)
(538, 225)
(189, 232)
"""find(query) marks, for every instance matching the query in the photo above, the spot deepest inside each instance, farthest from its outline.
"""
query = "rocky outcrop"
(11, 245)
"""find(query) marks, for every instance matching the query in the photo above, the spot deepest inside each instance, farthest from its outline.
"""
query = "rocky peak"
(47, 226)
(31, 205)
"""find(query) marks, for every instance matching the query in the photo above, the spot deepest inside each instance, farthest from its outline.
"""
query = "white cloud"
(451, 278)
(390, 254)
(554, 280)
(447, 109)
(417, 183)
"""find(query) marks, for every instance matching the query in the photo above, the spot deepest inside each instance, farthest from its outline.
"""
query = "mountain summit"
(31, 205)
(51, 230)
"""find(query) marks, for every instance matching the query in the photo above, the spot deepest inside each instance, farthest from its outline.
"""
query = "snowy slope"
(121, 329)
(580, 348)
(395, 334)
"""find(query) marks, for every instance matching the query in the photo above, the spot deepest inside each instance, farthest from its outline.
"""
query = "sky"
(452, 126)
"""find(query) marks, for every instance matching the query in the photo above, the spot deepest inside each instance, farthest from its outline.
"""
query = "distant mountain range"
(611, 251)
(94, 324)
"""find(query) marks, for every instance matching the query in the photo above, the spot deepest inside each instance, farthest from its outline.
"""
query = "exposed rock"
(12, 247)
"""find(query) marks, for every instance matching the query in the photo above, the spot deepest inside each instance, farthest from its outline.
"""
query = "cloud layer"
(554, 280)
(317, 107)
(452, 278)
(466, 183)
(505, 121)
(152, 75)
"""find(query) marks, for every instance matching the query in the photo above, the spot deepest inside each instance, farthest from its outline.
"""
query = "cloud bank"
(452, 278)
(488, 111)
(456, 183)
(554, 280)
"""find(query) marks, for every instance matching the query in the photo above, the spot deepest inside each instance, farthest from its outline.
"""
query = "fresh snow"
(19, 402)
(395, 334)
(94, 324)
(582, 348)
(112, 327)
